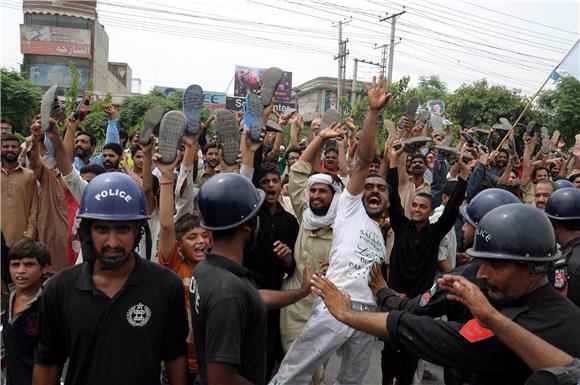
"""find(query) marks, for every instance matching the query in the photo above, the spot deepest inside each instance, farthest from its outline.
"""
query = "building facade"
(56, 33)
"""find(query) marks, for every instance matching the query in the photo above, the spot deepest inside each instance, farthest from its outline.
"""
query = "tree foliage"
(562, 107)
(20, 99)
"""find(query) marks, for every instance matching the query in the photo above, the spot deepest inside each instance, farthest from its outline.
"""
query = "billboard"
(211, 99)
(250, 78)
(48, 74)
(236, 103)
(214, 99)
(55, 41)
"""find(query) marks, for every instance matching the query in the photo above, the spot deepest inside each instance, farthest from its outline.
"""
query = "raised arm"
(447, 219)
(34, 154)
(505, 176)
(312, 152)
(377, 97)
(166, 207)
(396, 212)
(529, 145)
(148, 175)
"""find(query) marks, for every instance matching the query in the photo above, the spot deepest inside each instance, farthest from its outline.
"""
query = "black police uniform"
(566, 271)
(542, 312)
(120, 340)
(229, 318)
(433, 302)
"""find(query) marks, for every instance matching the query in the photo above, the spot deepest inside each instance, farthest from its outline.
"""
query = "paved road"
(374, 376)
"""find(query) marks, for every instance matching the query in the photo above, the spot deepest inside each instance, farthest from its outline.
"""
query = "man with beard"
(357, 244)
(124, 314)
(516, 245)
(228, 312)
(212, 159)
(414, 256)
(412, 179)
(19, 194)
(316, 216)
(83, 143)
(542, 192)
(112, 155)
(498, 164)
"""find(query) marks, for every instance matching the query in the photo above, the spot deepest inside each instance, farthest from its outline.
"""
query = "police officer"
(563, 209)
(516, 244)
(116, 316)
(434, 302)
(228, 312)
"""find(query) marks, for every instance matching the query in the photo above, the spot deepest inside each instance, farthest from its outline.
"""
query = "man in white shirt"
(356, 245)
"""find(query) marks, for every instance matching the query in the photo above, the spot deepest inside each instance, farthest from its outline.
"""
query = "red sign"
(55, 41)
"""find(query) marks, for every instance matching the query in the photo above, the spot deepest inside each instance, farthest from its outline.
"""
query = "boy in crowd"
(27, 261)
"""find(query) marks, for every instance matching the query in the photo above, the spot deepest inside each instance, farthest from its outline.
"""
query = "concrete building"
(319, 94)
(57, 32)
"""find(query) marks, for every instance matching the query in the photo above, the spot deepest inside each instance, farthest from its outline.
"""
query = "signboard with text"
(236, 103)
(214, 99)
(248, 79)
(55, 41)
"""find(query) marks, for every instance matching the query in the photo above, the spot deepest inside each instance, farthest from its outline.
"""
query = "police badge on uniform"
(561, 277)
(138, 315)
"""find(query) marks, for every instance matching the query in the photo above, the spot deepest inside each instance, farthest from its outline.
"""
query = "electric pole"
(341, 57)
(354, 77)
(383, 57)
(393, 19)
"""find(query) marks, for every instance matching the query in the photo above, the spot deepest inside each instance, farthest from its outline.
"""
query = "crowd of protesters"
(174, 257)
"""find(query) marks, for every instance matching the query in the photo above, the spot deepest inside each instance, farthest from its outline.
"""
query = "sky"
(175, 43)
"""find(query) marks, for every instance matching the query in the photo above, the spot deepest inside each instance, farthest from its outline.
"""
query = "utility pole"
(393, 19)
(354, 77)
(383, 56)
(341, 57)
(353, 88)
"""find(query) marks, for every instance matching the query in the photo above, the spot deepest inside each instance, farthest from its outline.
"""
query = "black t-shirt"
(414, 254)
(20, 337)
(120, 340)
(267, 269)
(229, 318)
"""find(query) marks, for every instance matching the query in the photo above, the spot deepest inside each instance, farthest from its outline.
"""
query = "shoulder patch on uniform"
(425, 299)
(472, 331)
(427, 295)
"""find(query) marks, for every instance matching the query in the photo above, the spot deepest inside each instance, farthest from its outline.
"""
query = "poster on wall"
(48, 74)
(236, 103)
(248, 79)
(55, 41)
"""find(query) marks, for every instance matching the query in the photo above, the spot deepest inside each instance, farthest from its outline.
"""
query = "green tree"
(71, 94)
(135, 107)
(431, 87)
(479, 105)
(20, 99)
(562, 107)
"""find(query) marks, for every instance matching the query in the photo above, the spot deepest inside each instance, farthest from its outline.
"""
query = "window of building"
(57, 21)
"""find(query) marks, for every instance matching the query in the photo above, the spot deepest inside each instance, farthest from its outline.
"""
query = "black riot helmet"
(227, 200)
(515, 232)
(564, 205)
